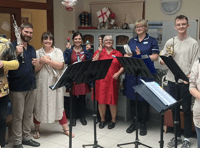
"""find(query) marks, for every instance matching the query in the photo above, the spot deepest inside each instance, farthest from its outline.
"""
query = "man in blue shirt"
(21, 82)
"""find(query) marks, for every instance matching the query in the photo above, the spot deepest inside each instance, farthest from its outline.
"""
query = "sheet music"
(160, 92)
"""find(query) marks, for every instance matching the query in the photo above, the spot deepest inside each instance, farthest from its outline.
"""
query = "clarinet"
(18, 37)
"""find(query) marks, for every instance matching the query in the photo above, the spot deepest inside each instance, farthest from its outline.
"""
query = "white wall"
(64, 21)
(190, 8)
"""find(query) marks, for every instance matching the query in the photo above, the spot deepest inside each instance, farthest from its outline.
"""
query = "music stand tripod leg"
(95, 145)
(136, 142)
(161, 131)
(176, 123)
(71, 109)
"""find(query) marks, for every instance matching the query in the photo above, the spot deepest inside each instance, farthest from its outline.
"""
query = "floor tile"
(52, 135)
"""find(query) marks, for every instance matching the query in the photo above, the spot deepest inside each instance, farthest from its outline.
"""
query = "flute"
(18, 37)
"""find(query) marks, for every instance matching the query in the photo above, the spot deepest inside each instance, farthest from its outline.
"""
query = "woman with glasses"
(142, 44)
(107, 89)
(72, 54)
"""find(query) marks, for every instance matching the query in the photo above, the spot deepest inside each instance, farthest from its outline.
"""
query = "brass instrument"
(170, 49)
(17, 34)
(49, 68)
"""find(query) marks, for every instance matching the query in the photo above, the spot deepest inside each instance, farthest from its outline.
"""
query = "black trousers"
(79, 105)
(143, 110)
(183, 91)
(3, 113)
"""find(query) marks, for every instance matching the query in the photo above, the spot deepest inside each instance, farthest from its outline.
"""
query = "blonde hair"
(4, 43)
(143, 22)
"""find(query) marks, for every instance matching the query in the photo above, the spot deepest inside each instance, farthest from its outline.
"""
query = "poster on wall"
(156, 31)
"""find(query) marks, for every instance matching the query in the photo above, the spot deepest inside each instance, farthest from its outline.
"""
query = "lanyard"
(78, 57)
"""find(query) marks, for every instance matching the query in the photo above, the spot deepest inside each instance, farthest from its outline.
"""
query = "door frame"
(18, 5)
(17, 14)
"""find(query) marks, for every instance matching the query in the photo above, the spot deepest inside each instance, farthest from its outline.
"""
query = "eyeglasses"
(107, 40)
(137, 27)
(183, 24)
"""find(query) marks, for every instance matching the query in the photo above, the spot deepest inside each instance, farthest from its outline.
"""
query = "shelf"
(90, 44)
(119, 45)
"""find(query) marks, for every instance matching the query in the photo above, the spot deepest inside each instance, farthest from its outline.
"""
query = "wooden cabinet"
(168, 120)
(120, 37)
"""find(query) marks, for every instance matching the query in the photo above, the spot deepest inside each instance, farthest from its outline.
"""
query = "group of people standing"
(29, 80)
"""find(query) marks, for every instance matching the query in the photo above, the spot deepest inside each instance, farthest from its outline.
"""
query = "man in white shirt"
(185, 53)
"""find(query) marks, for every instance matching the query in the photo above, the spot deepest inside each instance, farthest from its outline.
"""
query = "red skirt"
(80, 89)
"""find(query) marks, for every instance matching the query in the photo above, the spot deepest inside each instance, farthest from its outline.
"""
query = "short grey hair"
(108, 37)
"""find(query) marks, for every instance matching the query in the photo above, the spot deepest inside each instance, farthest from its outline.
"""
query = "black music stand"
(178, 74)
(156, 103)
(67, 78)
(96, 70)
(135, 66)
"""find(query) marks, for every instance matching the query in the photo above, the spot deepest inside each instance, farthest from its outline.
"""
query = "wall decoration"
(26, 18)
(170, 6)
(126, 11)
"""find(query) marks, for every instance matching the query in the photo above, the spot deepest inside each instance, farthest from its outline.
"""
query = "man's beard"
(25, 39)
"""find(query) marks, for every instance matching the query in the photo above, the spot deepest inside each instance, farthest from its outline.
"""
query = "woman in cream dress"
(49, 105)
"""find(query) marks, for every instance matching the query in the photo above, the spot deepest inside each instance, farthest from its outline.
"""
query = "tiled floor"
(52, 136)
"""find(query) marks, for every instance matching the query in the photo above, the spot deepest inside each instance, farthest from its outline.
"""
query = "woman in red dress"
(72, 54)
(107, 88)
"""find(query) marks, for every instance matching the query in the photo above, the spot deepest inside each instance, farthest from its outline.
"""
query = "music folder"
(156, 96)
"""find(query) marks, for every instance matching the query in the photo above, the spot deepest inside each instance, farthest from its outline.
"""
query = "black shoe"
(102, 124)
(83, 121)
(73, 122)
(31, 143)
(143, 130)
(131, 128)
(18, 146)
(111, 125)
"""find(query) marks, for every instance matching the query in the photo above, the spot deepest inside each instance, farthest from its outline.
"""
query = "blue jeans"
(183, 92)
(3, 113)
(198, 135)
